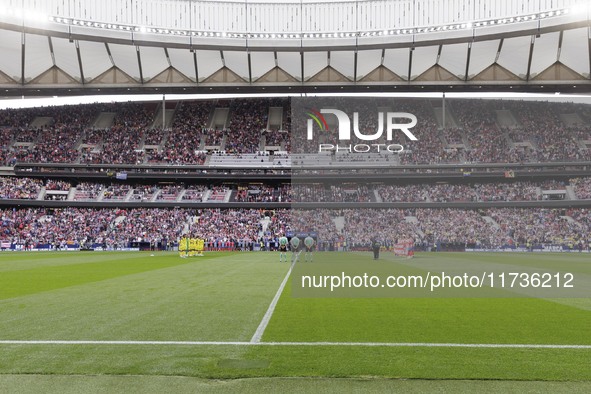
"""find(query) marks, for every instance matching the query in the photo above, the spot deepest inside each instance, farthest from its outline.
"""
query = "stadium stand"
(70, 135)
(99, 137)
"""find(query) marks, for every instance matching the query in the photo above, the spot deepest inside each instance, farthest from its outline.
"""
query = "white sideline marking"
(251, 343)
(258, 334)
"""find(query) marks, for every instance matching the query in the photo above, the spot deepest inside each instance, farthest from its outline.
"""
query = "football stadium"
(295, 196)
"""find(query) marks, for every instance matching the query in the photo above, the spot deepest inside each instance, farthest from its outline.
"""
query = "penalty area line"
(258, 334)
(345, 344)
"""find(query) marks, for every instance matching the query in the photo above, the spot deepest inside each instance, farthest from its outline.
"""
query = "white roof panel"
(314, 62)
(182, 60)
(10, 48)
(397, 61)
(545, 52)
(290, 62)
(153, 61)
(95, 59)
(125, 57)
(37, 56)
(343, 62)
(237, 62)
(514, 55)
(575, 50)
(261, 63)
(208, 62)
(367, 61)
(483, 54)
(66, 57)
(453, 58)
(423, 58)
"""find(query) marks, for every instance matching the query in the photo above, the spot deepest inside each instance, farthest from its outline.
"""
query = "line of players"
(294, 244)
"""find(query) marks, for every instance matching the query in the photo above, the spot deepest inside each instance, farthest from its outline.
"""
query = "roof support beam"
(78, 54)
(355, 66)
(139, 63)
(499, 50)
(249, 68)
(23, 58)
(589, 44)
(302, 64)
(531, 54)
(167, 57)
(109, 53)
(196, 68)
(559, 46)
(410, 63)
(468, 61)
(51, 50)
(439, 54)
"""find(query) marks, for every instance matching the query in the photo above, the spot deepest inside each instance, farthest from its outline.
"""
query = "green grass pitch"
(222, 298)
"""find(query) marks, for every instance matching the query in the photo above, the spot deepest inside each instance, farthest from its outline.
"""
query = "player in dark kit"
(309, 244)
(375, 245)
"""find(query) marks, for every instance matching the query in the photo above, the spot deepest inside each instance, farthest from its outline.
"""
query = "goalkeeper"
(283, 249)
(309, 244)
(295, 246)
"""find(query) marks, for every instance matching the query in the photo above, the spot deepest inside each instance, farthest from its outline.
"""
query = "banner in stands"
(534, 249)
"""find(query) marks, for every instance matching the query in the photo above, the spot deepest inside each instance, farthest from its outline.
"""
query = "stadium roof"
(67, 47)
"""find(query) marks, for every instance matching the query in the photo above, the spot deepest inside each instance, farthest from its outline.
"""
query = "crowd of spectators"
(455, 226)
(194, 193)
(444, 192)
(541, 123)
(305, 192)
(121, 147)
(276, 138)
(582, 187)
(540, 133)
(403, 193)
(113, 227)
(20, 188)
(218, 193)
(54, 145)
(516, 191)
(247, 122)
(216, 226)
(362, 226)
(535, 226)
(117, 192)
(319, 192)
(143, 192)
(53, 184)
(182, 144)
(427, 226)
(88, 191)
(169, 192)
(258, 193)
(214, 137)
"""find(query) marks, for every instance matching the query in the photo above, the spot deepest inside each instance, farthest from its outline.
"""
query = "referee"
(376, 245)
